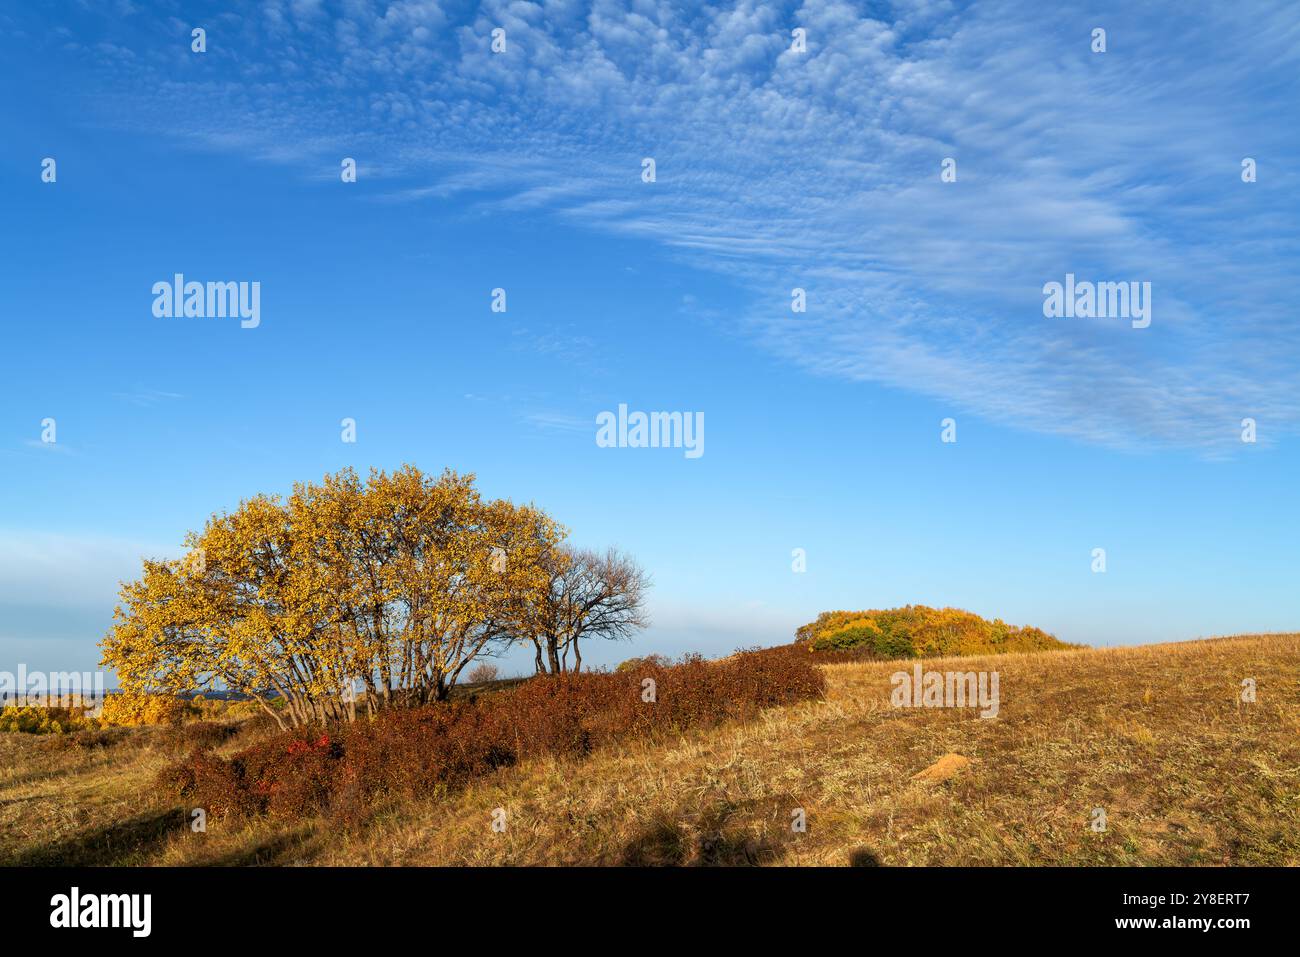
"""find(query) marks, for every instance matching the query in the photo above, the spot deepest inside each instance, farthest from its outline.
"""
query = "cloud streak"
(821, 170)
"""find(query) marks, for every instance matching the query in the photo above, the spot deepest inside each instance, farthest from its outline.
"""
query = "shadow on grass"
(863, 857)
(282, 850)
(114, 844)
(664, 844)
(129, 843)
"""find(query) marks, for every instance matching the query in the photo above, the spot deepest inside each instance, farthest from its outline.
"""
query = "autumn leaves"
(347, 598)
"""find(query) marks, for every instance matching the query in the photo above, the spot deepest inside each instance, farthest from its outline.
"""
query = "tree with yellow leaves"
(347, 596)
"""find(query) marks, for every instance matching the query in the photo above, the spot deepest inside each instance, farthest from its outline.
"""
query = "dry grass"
(1155, 735)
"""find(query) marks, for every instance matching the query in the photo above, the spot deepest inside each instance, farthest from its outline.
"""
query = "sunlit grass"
(1156, 736)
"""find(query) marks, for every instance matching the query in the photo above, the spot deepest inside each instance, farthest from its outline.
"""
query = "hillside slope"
(1156, 736)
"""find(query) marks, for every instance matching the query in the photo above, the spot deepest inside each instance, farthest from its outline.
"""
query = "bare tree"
(592, 595)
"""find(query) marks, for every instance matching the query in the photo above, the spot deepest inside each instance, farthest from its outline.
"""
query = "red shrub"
(433, 749)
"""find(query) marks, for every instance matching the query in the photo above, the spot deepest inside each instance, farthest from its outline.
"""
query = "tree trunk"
(271, 711)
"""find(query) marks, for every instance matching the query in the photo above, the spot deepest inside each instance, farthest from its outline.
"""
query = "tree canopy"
(379, 592)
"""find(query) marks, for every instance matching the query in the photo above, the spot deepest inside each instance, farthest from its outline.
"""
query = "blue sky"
(774, 170)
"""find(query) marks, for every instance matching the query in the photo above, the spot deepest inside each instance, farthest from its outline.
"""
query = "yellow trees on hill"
(918, 631)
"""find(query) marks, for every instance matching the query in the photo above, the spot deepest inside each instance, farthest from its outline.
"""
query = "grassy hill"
(1157, 736)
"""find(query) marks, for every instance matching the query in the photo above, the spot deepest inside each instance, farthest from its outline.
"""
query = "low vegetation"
(918, 631)
(125, 710)
(39, 719)
(347, 769)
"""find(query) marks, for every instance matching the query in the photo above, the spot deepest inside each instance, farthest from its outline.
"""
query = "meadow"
(1158, 738)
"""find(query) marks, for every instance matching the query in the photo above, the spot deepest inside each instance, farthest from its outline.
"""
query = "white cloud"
(821, 170)
(559, 422)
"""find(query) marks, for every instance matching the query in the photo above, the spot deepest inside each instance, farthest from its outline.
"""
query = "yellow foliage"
(918, 631)
(32, 719)
(388, 587)
(132, 708)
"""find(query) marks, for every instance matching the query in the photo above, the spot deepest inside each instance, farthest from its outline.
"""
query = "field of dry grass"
(1156, 736)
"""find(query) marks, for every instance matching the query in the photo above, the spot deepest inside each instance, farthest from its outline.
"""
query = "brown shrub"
(200, 734)
(433, 749)
(87, 740)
